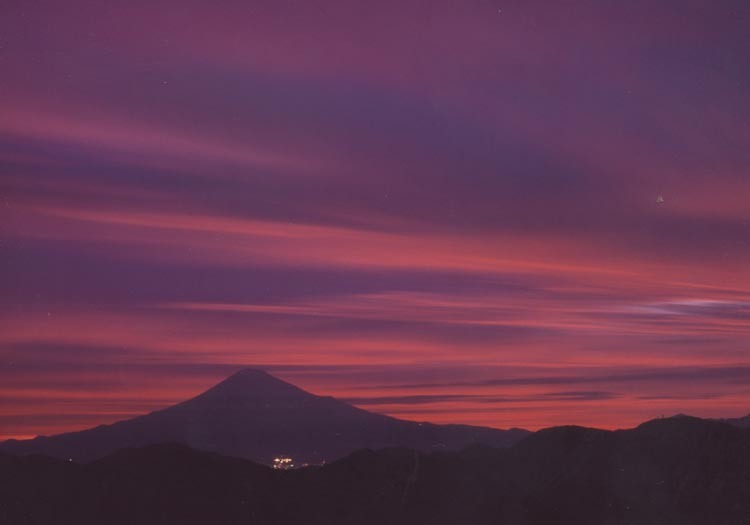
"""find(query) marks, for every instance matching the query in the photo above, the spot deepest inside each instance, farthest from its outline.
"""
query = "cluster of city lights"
(283, 463)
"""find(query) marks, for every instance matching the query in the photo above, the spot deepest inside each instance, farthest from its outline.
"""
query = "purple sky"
(445, 211)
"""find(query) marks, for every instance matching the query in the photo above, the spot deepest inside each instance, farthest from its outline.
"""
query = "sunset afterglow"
(501, 213)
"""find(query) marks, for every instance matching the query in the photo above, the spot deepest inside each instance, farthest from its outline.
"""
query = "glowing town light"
(283, 463)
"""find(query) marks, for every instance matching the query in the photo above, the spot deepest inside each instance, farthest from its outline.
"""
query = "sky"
(494, 212)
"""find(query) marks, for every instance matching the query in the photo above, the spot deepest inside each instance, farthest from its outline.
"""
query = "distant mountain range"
(742, 422)
(679, 470)
(254, 415)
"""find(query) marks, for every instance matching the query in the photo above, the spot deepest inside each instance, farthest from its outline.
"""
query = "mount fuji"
(256, 416)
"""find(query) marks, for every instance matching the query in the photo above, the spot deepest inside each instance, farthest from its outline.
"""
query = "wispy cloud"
(386, 201)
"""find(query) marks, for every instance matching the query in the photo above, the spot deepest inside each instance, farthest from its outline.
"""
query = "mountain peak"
(252, 383)
(250, 373)
(250, 376)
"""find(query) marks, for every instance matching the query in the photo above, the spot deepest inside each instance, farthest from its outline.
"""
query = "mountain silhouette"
(742, 422)
(257, 416)
(684, 471)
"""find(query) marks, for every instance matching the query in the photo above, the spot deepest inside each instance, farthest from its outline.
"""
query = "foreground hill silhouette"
(256, 416)
(669, 471)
